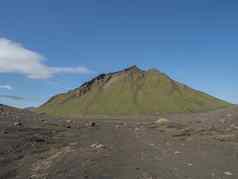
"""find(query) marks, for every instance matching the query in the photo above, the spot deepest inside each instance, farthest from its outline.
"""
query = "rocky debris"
(228, 173)
(162, 121)
(38, 139)
(4, 131)
(17, 124)
(233, 126)
(152, 126)
(68, 126)
(39, 169)
(97, 146)
(117, 126)
(137, 129)
(50, 150)
(223, 120)
(183, 133)
(91, 124)
(120, 124)
(124, 123)
(68, 121)
(43, 120)
(177, 152)
(175, 125)
(225, 138)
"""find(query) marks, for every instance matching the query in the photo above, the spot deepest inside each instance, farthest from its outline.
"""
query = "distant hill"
(30, 108)
(6, 110)
(130, 92)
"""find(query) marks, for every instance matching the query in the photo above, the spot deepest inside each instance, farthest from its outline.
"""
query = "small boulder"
(38, 139)
(69, 121)
(224, 138)
(17, 124)
(91, 124)
(68, 126)
(177, 152)
(162, 121)
(228, 173)
(233, 126)
(97, 146)
(222, 120)
(4, 131)
(42, 120)
(117, 126)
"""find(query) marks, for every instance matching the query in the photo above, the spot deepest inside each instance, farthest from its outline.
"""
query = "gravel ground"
(175, 146)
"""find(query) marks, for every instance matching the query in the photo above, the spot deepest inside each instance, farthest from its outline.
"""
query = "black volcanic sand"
(187, 146)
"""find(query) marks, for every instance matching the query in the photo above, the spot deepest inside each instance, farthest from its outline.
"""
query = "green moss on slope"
(131, 92)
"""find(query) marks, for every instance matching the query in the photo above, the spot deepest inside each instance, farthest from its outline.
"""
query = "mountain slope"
(130, 91)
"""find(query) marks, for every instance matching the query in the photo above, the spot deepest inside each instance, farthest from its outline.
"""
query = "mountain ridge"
(128, 92)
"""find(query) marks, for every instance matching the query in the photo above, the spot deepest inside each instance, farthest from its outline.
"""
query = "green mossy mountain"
(130, 92)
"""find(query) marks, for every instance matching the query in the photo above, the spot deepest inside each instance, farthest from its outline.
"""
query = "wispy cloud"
(16, 98)
(8, 87)
(15, 58)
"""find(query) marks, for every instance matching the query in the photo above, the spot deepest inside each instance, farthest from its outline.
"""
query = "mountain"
(30, 108)
(130, 92)
(6, 108)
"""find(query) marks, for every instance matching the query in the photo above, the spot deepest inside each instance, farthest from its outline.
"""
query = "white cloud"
(14, 58)
(16, 98)
(8, 87)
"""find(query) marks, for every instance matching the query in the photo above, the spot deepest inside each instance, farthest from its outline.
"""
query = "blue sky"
(195, 42)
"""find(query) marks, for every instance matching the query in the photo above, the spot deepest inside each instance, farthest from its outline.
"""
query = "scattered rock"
(120, 124)
(73, 143)
(198, 122)
(153, 126)
(136, 129)
(69, 121)
(213, 174)
(224, 138)
(228, 173)
(38, 138)
(177, 152)
(175, 125)
(233, 126)
(124, 123)
(161, 121)
(97, 146)
(4, 131)
(91, 124)
(42, 120)
(222, 120)
(17, 124)
(183, 133)
(139, 124)
(117, 126)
